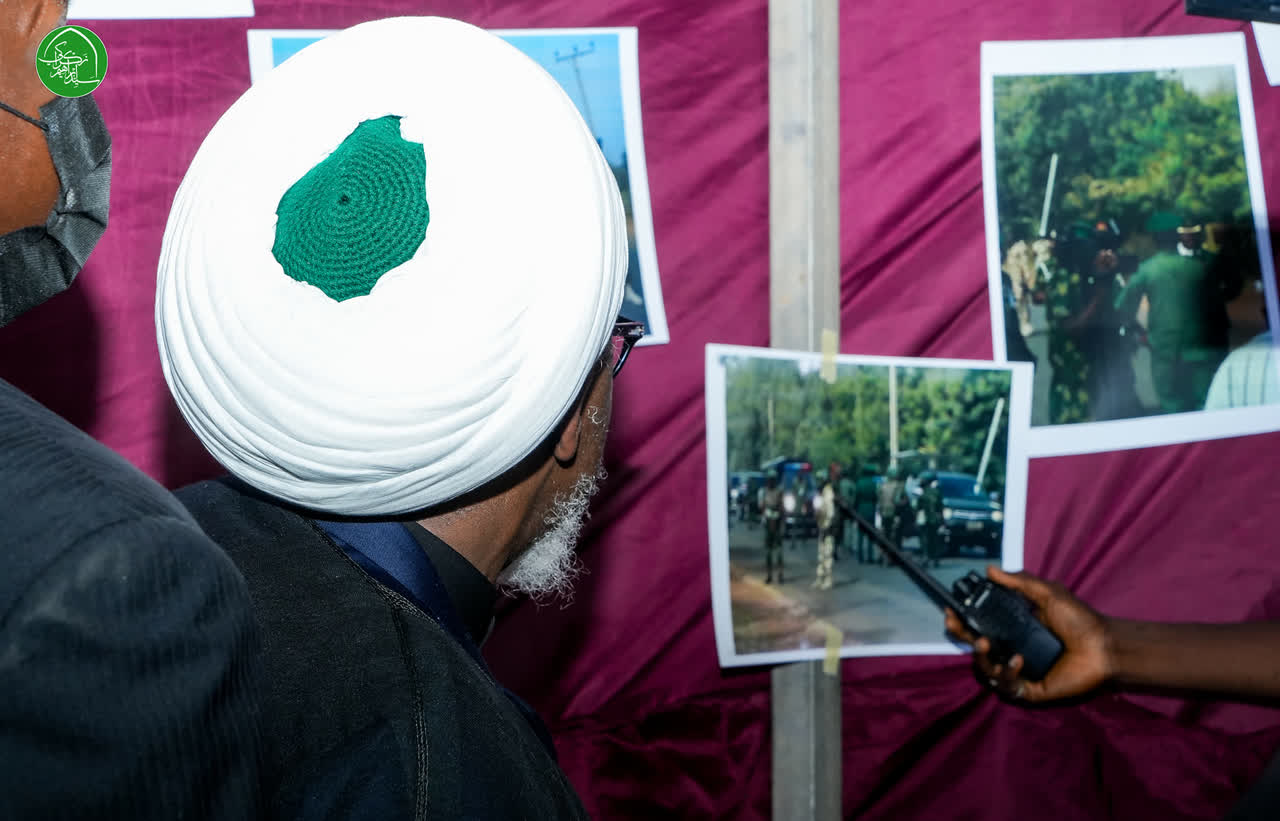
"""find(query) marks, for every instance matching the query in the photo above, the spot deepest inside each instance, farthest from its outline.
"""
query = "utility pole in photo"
(893, 416)
(991, 438)
(769, 414)
(572, 58)
(1045, 273)
(1048, 195)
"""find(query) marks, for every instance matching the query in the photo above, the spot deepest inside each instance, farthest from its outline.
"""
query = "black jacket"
(373, 708)
(129, 666)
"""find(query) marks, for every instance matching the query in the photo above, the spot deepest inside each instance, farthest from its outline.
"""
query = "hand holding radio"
(1086, 661)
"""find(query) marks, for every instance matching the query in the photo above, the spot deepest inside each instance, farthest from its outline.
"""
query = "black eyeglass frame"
(631, 332)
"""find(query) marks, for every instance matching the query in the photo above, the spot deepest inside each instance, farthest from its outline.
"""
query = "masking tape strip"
(835, 640)
(830, 344)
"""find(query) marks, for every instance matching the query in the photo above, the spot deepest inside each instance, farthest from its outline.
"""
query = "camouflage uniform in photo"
(1065, 297)
(827, 516)
(771, 515)
(892, 498)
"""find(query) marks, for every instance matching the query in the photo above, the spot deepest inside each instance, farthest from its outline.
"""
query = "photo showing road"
(925, 449)
(870, 604)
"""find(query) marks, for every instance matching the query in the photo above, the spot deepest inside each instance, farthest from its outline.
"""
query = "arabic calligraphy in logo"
(71, 61)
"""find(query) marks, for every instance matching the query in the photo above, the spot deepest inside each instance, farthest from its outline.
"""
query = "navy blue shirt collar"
(472, 594)
(389, 554)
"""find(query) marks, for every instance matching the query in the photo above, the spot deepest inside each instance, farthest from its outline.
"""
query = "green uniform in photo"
(1187, 323)
(864, 502)
(932, 540)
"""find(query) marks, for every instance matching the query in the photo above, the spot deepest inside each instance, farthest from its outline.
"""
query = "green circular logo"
(71, 61)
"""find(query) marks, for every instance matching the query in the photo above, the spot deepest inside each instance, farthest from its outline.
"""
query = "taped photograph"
(599, 69)
(932, 451)
(1128, 255)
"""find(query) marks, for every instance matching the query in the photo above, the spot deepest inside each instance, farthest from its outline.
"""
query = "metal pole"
(804, 295)
(857, 415)
(772, 448)
(991, 438)
(1048, 196)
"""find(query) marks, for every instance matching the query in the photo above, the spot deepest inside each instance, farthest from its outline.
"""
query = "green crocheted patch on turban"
(359, 213)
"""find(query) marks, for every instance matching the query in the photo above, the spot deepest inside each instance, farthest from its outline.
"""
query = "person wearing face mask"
(129, 661)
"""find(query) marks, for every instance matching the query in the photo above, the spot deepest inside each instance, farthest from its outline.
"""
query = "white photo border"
(1032, 57)
(158, 9)
(262, 60)
(1015, 498)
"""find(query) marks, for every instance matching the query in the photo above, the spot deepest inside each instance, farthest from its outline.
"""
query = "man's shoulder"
(110, 591)
(1246, 358)
(1157, 262)
(1168, 263)
(213, 492)
(268, 540)
(225, 506)
(67, 493)
(47, 462)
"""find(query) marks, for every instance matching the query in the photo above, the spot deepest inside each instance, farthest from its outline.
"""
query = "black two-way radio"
(1005, 617)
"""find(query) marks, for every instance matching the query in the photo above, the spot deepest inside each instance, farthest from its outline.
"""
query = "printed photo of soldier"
(1129, 262)
(920, 452)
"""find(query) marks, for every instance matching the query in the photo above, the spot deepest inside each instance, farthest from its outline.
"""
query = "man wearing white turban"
(388, 304)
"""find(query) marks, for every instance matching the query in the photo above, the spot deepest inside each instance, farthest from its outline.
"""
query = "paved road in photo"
(870, 604)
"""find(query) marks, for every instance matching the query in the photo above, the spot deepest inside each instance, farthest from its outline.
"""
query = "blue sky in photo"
(600, 80)
(595, 87)
(282, 48)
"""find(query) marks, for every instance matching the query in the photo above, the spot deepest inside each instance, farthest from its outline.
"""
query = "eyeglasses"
(626, 333)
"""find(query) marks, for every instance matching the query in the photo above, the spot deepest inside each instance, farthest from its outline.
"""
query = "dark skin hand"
(1086, 659)
(1239, 659)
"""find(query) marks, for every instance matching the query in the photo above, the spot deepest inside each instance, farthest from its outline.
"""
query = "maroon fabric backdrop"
(645, 720)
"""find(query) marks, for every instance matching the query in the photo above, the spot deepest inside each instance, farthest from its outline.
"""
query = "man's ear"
(571, 429)
(571, 435)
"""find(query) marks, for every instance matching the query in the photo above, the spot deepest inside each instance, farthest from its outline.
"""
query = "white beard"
(549, 565)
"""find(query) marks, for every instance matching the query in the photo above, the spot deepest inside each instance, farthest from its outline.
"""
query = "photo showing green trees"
(1107, 183)
(1129, 144)
(777, 407)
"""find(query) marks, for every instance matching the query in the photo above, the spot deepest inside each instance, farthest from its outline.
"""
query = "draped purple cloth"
(644, 718)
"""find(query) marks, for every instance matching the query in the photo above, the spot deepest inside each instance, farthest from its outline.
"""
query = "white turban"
(461, 359)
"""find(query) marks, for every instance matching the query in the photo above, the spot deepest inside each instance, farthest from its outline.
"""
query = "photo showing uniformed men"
(1129, 261)
(921, 452)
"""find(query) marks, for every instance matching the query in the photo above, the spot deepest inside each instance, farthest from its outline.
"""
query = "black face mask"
(39, 262)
